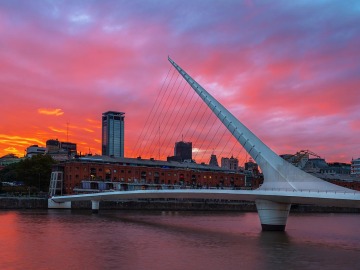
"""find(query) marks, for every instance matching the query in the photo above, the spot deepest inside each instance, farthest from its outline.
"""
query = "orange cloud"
(58, 130)
(56, 112)
(18, 140)
(11, 150)
(92, 121)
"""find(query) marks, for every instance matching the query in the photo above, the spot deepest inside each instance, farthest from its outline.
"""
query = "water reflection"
(174, 240)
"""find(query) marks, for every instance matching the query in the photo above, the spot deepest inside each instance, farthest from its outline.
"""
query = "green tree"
(9, 173)
(34, 171)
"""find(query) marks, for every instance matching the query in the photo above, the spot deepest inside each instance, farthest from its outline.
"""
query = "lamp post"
(39, 182)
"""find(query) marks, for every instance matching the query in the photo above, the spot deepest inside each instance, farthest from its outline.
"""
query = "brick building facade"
(128, 170)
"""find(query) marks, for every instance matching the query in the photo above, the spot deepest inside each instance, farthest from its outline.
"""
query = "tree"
(34, 171)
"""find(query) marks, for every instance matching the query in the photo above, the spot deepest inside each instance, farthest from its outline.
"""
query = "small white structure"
(34, 150)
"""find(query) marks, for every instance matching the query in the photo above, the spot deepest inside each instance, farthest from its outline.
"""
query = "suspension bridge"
(284, 184)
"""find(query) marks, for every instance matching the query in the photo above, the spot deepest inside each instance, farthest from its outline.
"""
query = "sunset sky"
(289, 70)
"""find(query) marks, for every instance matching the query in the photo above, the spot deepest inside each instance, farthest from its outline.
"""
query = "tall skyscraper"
(183, 150)
(113, 134)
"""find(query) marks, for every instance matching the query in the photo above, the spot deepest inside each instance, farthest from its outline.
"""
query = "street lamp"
(39, 182)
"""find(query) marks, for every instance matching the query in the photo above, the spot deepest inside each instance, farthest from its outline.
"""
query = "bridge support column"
(273, 215)
(55, 205)
(95, 206)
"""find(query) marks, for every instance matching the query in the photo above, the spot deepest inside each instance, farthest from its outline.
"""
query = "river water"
(69, 239)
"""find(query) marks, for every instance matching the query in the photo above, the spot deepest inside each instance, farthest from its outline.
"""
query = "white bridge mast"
(278, 173)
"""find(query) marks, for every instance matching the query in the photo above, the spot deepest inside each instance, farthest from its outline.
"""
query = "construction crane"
(300, 158)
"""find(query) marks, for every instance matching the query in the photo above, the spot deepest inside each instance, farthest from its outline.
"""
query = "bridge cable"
(134, 150)
(154, 117)
(195, 122)
(190, 113)
(182, 122)
(220, 141)
(210, 116)
(167, 115)
(227, 141)
(160, 119)
(170, 139)
(213, 137)
(170, 116)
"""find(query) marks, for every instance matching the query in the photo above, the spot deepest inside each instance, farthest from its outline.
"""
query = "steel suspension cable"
(160, 119)
(207, 134)
(213, 137)
(147, 118)
(169, 116)
(188, 116)
(197, 125)
(154, 117)
(175, 118)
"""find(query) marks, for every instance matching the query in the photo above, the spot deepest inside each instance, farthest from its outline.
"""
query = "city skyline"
(289, 71)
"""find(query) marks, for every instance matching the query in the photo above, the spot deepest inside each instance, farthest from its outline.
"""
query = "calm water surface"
(65, 239)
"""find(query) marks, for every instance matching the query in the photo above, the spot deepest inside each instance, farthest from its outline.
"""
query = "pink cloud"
(56, 112)
(295, 85)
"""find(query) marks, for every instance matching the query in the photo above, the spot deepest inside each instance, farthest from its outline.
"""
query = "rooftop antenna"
(67, 131)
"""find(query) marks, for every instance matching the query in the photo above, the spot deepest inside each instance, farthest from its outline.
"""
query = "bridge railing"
(310, 190)
(184, 187)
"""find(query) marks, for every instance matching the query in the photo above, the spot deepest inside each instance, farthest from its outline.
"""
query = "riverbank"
(23, 203)
(166, 205)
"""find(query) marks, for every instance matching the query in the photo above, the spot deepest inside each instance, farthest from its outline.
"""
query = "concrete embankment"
(206, 205)
(175, 205)
(181, 205)
(23, 203)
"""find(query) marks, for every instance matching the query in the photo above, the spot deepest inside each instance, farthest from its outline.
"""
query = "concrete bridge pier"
(95, 206)
(273, 215)
(56, 205)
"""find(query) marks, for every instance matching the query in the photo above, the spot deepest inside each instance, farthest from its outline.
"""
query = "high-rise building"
(213, 161)
(52, 146)
(183, 150)
(230, 163)
(60, 151)
(113, 134)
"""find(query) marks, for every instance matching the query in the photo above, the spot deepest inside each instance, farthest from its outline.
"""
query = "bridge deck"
(331, 198)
